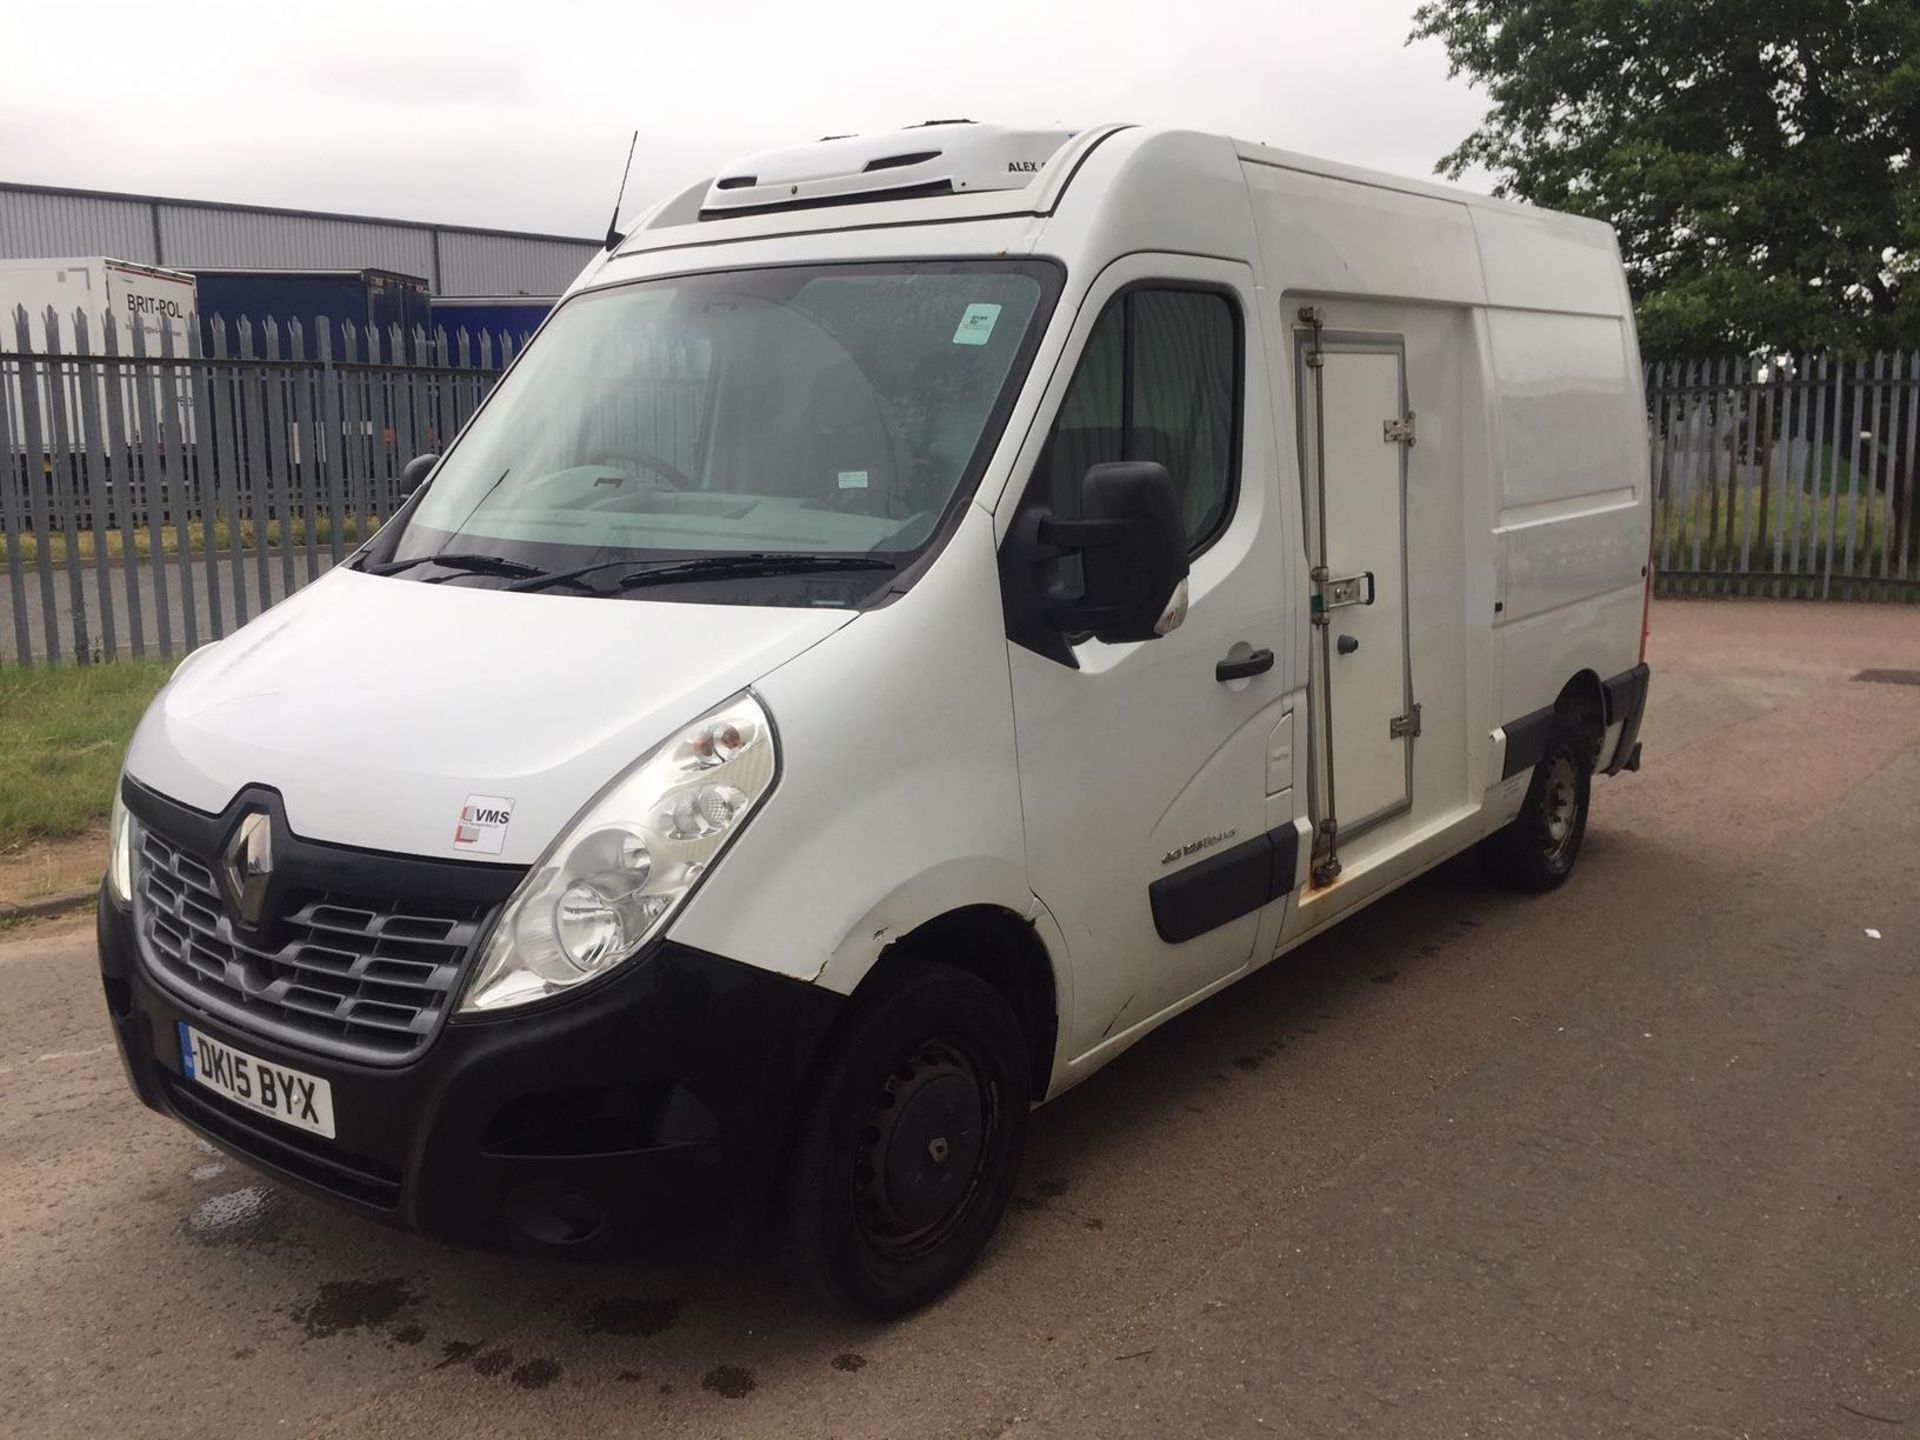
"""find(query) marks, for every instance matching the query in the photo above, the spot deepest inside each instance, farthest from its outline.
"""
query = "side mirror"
(416, 470)
(1132, 545)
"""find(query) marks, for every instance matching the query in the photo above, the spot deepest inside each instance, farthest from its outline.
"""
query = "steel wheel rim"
(1560, 803)
(901, 1151)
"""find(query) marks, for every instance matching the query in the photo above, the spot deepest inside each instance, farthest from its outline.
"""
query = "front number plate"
(292, 1097)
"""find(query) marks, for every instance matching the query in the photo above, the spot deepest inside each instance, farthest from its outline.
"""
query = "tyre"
(908, 1142)
(1537, 850)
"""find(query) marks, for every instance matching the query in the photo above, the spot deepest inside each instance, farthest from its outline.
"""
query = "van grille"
(354, 976)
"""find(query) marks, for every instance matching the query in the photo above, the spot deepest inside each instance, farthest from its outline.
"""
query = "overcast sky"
(519, 117)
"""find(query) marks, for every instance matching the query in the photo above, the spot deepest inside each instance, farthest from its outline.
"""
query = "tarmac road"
(1639, 1158)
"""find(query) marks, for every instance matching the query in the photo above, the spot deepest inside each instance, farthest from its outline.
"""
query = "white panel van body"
(924, 610)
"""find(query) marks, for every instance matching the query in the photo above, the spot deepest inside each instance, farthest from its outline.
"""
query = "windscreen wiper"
(474, 564)
(757, 562)
(749, 564)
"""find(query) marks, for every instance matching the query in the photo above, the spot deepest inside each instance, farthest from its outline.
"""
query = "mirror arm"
(1083, 534)
(1077, 619)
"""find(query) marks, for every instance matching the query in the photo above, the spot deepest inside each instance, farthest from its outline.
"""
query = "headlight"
(119, 850)
(621, 869)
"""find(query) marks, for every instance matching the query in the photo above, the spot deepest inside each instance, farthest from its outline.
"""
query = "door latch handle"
(1337, 592)
(1347, 644)
(1258, 663)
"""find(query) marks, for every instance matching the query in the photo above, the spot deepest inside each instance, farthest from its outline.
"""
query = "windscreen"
(831, 410)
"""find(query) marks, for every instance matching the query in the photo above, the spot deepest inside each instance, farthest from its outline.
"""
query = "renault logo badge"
(247, 866)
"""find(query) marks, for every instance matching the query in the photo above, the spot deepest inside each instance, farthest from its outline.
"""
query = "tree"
(1756, 156)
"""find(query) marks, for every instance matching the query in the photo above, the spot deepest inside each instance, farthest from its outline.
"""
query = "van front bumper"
(663, 1094)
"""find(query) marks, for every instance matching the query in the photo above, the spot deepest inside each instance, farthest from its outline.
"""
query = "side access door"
(1144, 765)
(1355, 430)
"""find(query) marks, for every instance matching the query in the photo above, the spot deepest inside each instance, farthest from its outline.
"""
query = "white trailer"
(139, 297)
(148, 310)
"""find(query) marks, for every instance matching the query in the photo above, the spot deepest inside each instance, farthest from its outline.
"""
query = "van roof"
(1254, 153)
(941, 171)
(939, 158)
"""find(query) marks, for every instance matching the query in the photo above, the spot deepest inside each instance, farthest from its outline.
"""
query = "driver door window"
(1159, 380)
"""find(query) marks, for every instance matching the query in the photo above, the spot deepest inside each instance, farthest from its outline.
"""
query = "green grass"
(63, 732)
(1814, 520)
(1812, 514)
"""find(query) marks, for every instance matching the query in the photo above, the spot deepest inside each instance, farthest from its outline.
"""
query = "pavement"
(1637, 1158)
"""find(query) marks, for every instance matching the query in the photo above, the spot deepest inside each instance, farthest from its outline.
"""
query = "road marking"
(73, 1054)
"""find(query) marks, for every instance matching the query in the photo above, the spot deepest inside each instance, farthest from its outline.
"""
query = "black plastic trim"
(321, 1165)
(1225, 886)
(1526, 741)
(1627, 703)
(896, 162)
(308, 867)
(1244, 668)
(725, 1043)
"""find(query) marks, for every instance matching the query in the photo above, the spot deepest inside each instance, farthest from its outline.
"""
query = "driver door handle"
(1258, 663)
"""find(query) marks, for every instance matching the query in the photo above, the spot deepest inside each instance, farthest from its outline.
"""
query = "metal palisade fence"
(155, 493)
(1791, 476)
(151, 500)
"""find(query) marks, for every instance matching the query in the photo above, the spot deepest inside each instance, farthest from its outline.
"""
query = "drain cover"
(1890, 677)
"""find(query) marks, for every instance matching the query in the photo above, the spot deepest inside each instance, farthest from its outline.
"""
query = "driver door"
(1143, 765)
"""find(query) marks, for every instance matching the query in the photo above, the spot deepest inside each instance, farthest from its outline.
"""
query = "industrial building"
(45, 220)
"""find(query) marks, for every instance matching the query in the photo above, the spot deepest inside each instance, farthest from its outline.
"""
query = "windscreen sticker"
(976, 326)
(853, 479)
(482, 827)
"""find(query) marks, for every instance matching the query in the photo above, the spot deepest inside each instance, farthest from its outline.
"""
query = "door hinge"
(1407, 725)
(1401, 431)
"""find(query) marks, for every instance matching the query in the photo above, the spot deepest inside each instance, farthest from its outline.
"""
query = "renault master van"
(925, 609)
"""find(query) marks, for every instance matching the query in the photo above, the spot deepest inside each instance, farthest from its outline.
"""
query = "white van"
(925, 609)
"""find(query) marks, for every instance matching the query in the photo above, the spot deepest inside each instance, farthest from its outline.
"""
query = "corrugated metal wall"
(35, 223)
(192, 236)
(478, 264)
(153, 230)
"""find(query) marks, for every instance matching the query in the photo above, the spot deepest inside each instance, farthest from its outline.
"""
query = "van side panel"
(1528, 499)
(1572, 502)
(1544, 260)
(1332, 237)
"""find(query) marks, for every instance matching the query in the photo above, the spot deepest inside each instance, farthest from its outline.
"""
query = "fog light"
(554, 1213)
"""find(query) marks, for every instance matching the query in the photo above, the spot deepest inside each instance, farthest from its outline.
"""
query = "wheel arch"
(1005, 950)
(978, 914)
(1582, 705)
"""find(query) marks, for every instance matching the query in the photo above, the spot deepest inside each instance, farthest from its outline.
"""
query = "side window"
(1159, 380)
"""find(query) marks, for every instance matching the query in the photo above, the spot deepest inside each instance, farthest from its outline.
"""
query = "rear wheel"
(909, 1142)
(1537, 850)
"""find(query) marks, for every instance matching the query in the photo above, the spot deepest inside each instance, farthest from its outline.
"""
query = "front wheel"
(1537, 850)
(908, 1144)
